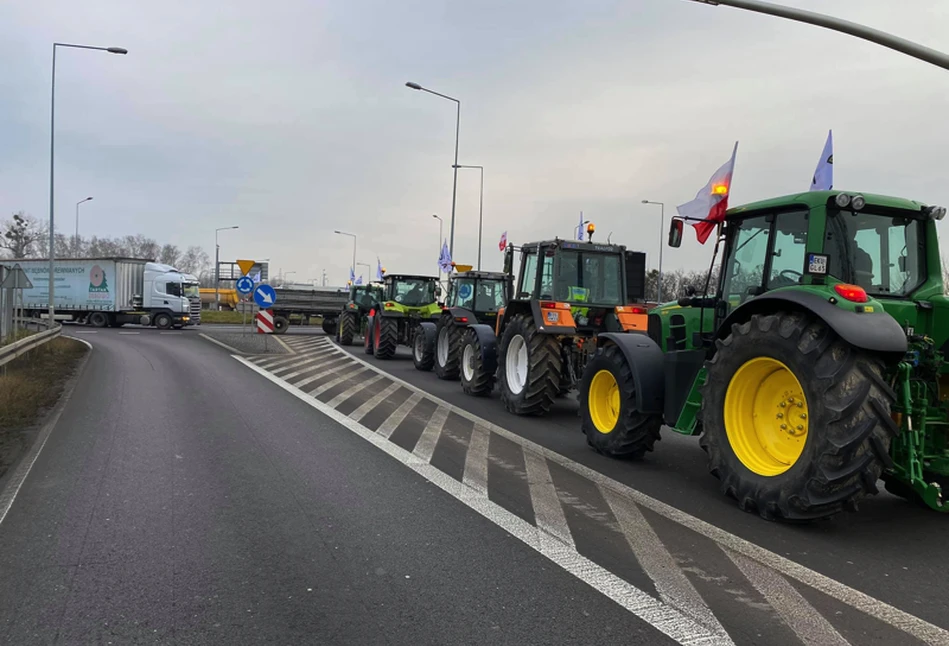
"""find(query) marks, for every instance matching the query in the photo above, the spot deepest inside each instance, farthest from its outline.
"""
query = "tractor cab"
(409, 294)
(480, 292)
(363, 297)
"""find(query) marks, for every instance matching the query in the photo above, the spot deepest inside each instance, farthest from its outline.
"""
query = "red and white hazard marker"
(265, 322)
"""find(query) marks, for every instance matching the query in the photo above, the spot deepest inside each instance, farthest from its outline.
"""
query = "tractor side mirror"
(690, 290)
(675, 232)
(438, 291)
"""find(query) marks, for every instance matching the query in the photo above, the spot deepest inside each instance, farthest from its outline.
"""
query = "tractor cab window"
(525, 288)
(462, 293)
(363, 297)
(589, 278)
(489, 296)
(882, 253)
(787, 255)
(745, 260)
(547, 275)
(414, 292)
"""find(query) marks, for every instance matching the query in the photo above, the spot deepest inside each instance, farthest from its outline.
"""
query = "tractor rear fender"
(427, 330)
(872, 331)
(489, 346)
(645, 360)
(461, 315)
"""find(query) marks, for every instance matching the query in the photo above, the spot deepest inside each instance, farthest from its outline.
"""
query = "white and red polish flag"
(710, 203)
(503, 243)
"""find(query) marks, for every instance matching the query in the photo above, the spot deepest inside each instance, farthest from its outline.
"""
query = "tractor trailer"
(110, 292)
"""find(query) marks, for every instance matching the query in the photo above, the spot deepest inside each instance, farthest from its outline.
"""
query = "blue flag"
(444, 258)
(580, 228)
(359, 280)
(352, 275)
(823, 179)
(379, 271)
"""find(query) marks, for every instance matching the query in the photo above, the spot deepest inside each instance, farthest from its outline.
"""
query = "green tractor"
(394, 319)
(473, 297)
(568, 293)
(815, 367)
(352, 320)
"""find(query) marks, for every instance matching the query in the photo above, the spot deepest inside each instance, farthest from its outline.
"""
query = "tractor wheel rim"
(468, 362)
(417, 347)
(604, 401)
(766, 416)
(442, 347)
(515, 364)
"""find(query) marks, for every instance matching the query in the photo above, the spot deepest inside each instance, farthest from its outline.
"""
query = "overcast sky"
(290, 118)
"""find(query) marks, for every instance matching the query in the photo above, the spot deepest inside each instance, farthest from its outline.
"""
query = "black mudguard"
(645, 360)
(427, 330)
(872, 331)
(489, 346)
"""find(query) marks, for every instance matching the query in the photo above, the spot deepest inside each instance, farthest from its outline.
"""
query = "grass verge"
(235, 318)
(29, 386)
(16, 336)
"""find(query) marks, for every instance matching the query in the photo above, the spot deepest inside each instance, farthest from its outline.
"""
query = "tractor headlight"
(842, 200)
(858, 202)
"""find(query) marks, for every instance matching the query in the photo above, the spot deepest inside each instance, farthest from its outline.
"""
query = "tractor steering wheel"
(793, 274)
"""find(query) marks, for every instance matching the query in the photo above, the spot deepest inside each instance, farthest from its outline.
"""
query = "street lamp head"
(117, 50)
(414, 86)
(89, 198)
(645, 201)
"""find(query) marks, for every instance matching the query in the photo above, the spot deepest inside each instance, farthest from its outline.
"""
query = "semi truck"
(306, 303)
(111, 292)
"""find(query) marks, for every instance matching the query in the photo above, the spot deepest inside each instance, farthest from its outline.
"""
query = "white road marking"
(392, 421)
(880, 610)
(661, 616)
(319, 390)
(799, 615)
(223, 345)
(329, 366)
(476, 460)
(9, 493)
(370, 404)
(342, 367)
(548, 511)
(671, 583)
(169, 333)
(425, 446)
(129, 332)
(349, 392)
(304, 359)
(86, 332)
(270, 362)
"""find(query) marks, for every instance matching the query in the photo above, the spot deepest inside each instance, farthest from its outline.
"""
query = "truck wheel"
(347, 328)
(609, 417)
(163, 321)
(530, 367)
(98, 319)
(447, 349)
(368, 338)
(280, 324)
(796, 422)
(475, 380)
(329, 326)
(387, 337)
(423, 354)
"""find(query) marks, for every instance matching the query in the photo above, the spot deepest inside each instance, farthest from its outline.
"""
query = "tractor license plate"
(553, 316)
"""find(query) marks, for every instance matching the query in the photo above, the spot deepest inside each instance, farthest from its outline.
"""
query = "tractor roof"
(409, 276)
(811, 199)
(578, 246)
(491, 275)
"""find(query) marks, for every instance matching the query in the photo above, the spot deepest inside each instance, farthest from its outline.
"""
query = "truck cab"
(166, 290)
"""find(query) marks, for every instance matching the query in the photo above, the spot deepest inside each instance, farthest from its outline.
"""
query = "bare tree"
(169, 255)
(194, 261)
(23, 236)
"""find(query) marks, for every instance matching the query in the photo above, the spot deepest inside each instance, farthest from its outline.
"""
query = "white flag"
(823, 179)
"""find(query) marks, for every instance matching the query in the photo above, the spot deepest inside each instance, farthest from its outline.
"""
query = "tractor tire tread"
(543, 373)
(448, 372)
(388, 338)
(347, 328)
(482, 382)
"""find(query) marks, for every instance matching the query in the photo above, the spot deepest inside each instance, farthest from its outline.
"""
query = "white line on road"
(547, 509)
(799, 615)
(392, 421)
(348, 367)
(476, 461)
(319, 390)
(129, 332)
(290, 366)
(425, 446)
(86, 332)
(661, 616)
(349, 392)
(370, 404)
(329, 366)
(170, 333)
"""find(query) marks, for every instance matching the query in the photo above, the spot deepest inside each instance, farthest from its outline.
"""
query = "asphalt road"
(183, 499)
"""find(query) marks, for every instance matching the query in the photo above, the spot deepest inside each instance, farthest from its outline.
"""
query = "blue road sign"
(265, 296)
(245, 285)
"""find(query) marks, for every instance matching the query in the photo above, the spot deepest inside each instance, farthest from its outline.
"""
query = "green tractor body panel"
(871, 270)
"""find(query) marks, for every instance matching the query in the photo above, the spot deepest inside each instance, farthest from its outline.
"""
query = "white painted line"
(284, 344)
(663, 617)
(880, 610)
(319, 390)
(308, 344)
(799, 615)
(370, 404)
(330, 370)
(425, 446)
(671, 583)
(392, 421)
(124, 332)
(9, 493)
(349, 392)
(223, 345)
(547, 509)
(302, 360)
(329, 366)
(166, 333)
(476, 460)
(269, 362)
(85, 332)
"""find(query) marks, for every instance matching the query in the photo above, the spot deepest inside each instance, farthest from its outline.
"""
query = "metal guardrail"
(18, 348)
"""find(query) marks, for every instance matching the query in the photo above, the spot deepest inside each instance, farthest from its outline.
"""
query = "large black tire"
(347, 328)
(544, 365)
(329, 326)
(475, 380)
(423, 353)
(447, 349)
(387, 337)
(632, 433)
(99, 319)
(848, 433)
(281, 323)
(368, 340)
(163, 321)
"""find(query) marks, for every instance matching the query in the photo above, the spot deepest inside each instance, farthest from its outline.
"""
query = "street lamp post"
(353, 236)
(77, 221)
(889, 41)
(662, 230)
(367, 266)
(52, 134)
(440, 223)
(454, 186)
(480, 209)
(217, 268)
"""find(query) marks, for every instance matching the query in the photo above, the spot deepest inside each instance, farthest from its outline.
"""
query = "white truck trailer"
(105, 292)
